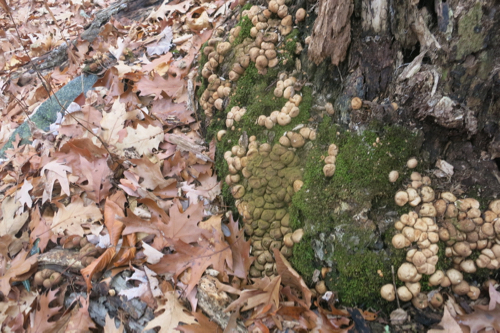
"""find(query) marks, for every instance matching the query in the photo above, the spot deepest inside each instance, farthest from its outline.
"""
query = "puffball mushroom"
(399, 241)
(461, 288)
(223, 48)
(427, 194)
(420, 301)
(412, 163)
(333, 150)
(401, 198)
(329, 108)
(407, 272)
(329, 170)
(404, 294)
(436, 278)
(393, 176)
(297, 235)
(356, 103)
(283, 119)
(387, 292)
(455, 276)
(473, 293)
(436, 300)
(220, 134)
(238, 191)
(300, 15)
(414, 288)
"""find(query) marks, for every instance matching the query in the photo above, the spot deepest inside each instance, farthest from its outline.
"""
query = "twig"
(48, 87)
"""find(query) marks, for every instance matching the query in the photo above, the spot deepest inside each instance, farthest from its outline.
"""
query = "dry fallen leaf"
(43, 313)
(70, 218)
(55, 171)
(19, 266)
(110, 326)
(12, 222)
(171, 317)
(97, 265)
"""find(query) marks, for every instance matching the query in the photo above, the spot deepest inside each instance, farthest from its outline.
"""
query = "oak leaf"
(290, 277)
(239, 249)
(169, 320)
(203, 325)
(199, 257)
(98, 174)
(43, 313)
(71, 217)
(55, 171)
(110, 326)
(142, 139)
(150, 172)
(263, 294)
(97, 265)
(112, 122)
(158, 85)
(40, 229)
(79, 319)
(12, 222)
(23, 194)
(112, 211)
(448, 323)
(19, 266)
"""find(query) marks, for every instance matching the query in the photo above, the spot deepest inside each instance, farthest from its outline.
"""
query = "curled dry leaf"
(97, 265)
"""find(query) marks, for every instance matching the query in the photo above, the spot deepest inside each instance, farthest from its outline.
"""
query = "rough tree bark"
(438, 60)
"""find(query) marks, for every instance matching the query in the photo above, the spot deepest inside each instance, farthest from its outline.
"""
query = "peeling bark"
(331, 35)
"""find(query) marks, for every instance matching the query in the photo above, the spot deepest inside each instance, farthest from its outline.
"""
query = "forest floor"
(112, 218)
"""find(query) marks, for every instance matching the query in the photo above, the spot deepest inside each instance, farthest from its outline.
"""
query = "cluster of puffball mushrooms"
(284, 88)
(269, 26)
(458, 223)
(329, 168)
(263, 179)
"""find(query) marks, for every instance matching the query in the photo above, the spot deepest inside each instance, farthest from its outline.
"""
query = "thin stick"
(394, 284)
(48, 87)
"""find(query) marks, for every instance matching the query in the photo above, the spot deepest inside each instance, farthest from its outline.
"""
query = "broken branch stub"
(331, 34)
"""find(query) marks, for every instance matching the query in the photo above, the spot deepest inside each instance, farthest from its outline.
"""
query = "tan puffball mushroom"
(297, 235)
(473, 293)
(356, 103)
(414, 288)
(401, 198)
(297, 185)
(436, 300)
(329, 108)
(393, 176)
(420, 301)
(399, 241)
(223, 48)
(387, 292)
(238, 191)
(333, 150)
(407, 272)
(436, 278)
(300, 15)
(404, 294)
(461, 288)
(330, 159)
(468, 266)
(412, 163)
(283, 119)
(220, 134)
(455, 276)
(329, 170)
(427, 194)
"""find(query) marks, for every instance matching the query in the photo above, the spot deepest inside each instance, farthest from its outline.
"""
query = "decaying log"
(331, 33)
(213, 302)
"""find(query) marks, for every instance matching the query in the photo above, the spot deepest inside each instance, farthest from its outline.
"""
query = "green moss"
(305, 263)
(359, 183)
(246, 25)
(471, 32)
